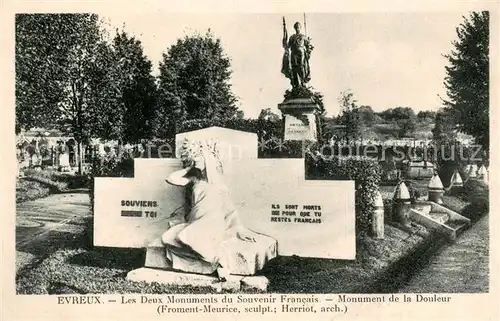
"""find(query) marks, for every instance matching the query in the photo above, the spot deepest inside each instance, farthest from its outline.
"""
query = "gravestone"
(420, 170)
(64, 162)
(307, 218)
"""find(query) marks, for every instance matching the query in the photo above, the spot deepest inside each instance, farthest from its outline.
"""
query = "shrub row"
(364, 171)
(476, 193)
(30, 190)
(108, 166)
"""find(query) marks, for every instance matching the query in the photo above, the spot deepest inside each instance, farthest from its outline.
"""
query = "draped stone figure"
(210, 237)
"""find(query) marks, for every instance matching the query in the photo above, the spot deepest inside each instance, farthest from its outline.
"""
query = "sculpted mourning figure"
(210, 236)
(298, 50)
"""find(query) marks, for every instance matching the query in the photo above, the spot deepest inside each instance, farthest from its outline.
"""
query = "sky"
(386, 59)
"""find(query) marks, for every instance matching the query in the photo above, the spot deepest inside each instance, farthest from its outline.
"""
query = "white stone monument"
(306, 218)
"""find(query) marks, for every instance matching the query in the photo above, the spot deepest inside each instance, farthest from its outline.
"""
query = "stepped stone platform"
(233, 283)
(158, 269)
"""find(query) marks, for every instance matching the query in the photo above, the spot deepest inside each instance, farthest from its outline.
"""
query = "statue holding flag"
(298, 48)
(301, 107)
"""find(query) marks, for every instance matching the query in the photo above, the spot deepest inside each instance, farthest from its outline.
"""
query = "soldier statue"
(298, 48)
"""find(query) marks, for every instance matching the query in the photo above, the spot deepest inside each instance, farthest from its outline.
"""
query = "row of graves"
(288, 214)
(403, 162)
(58, 152)
(40, 153)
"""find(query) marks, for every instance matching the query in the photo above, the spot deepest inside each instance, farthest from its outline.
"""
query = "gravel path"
(48, 224)
(462, 267)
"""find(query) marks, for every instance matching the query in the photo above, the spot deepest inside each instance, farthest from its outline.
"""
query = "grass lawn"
(103, 270)
(95, 271)
(41, 183)
(462, 267)
(454, 203)
(27, 190)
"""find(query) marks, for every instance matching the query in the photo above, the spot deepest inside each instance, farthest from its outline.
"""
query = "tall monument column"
(299, 109)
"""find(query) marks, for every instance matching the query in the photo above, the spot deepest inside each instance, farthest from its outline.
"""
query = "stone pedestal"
(158, 269)
(242, 258)
(300, 116)
(233, 283)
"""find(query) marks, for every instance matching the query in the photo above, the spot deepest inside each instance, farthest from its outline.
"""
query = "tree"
(240, 114)
(400, 113)
(397, 114)
(329, 129)
(61, 73)
(467, 77)
(407, 127)
(269, 125)
(444, 137)
(367, 115)
(426, 114)
(136, 90)
(268, 115)
(444, 132)
(194, 84)
(349, 116)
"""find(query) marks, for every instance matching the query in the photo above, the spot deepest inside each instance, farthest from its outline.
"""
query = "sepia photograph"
(288, 153)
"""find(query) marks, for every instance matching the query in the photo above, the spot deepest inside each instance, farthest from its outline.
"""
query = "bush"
(52, 179)
(54, 186)
(477, 194)
(30, 190)
(475, 187)
(108, 166)
(57, 179)
(388, 206)
(414, 190)
(446, 170)
(366, 173)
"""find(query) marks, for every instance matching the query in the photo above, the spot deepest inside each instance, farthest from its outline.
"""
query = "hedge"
(476, 193)
(108, 166)
(365, 171)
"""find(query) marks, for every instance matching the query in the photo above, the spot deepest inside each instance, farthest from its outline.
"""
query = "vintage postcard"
(245, 160)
